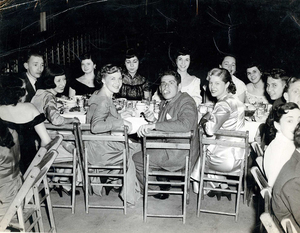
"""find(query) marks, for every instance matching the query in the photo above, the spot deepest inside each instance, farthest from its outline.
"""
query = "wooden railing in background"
(63, 51)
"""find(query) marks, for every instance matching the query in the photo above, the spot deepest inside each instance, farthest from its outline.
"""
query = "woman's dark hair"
(254, 64)
(225, 76)
(297, 136)
(6, 138)
(275, 116)
(130, 53)
(91, 56)
(105, 70)
(182, 52)
(11, 89)
(47, 81)
(170, 72)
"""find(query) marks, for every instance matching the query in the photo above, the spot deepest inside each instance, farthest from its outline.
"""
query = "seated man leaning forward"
(178, 112)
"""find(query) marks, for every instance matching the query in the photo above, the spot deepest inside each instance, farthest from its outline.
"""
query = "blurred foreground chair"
(44, 187)
(237, 178)
(269, 221)
(89, 170)
(159, 140)
(70, 134)
(29, 216)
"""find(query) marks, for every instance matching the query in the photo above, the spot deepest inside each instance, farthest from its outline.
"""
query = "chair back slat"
(54, 144)
(166, 145)
(174, 141)
(162, 134)
(229, 139)
(121, 135)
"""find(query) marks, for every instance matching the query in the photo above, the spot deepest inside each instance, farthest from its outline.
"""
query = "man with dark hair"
(35, 67)
(286, 190)
(178, 112)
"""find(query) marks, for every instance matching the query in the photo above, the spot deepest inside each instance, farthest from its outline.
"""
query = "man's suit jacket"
(29, 88)
(286, 190)
(179, 115)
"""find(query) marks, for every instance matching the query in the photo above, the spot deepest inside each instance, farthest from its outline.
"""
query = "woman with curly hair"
(16, 118)
(282, 122)
(228, 114)
(103, 117)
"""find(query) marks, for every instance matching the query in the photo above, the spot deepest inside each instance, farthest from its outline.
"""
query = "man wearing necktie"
(34, 66)
(178, 113)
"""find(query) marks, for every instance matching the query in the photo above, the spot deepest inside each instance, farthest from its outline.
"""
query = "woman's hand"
(149, 116)
(129, 125)
(144, 129)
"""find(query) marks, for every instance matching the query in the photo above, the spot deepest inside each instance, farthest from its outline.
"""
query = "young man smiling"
(178, 112)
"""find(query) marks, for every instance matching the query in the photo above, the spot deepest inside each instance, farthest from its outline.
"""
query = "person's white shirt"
(240, 86)
(276, 155)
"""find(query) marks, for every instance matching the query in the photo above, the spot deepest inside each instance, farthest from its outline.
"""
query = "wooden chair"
(259, 154)
(32, 210)
(44, 187)
(269, 221)
(235, 178)
(159, 140)
(70, 134)
(118, 136)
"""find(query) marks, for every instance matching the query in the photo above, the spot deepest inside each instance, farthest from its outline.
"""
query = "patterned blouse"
(45, 101)
(133, 87)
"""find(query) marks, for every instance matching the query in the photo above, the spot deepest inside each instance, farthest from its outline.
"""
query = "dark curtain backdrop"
(264, 31)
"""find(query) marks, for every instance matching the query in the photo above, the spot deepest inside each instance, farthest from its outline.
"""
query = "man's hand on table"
(144, 129)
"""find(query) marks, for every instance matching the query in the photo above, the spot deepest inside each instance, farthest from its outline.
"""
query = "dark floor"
(114, 221)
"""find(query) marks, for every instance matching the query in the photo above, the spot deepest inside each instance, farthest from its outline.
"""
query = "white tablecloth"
(80, 115)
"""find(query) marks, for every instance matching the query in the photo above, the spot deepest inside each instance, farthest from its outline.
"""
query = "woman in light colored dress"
(189, 83)
(256, 88)
(15, 118)
(103, 117)
(228, 114)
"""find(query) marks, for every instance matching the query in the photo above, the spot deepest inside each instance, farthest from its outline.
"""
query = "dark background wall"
(265, 31)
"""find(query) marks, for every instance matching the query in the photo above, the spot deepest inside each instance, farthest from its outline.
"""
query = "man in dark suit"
(34, 66)
(178, 112)
(286, 190)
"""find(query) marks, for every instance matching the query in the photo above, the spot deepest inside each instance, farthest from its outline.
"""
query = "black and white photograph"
(150, 116)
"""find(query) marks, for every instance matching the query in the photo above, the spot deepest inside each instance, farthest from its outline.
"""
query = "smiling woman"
(52, 83)
(103, 117)
(256, 88)
(228, 114)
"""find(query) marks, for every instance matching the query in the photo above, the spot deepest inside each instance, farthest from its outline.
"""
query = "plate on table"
(136, 122)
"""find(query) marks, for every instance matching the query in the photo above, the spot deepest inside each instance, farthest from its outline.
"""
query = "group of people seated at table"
(180, 96)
